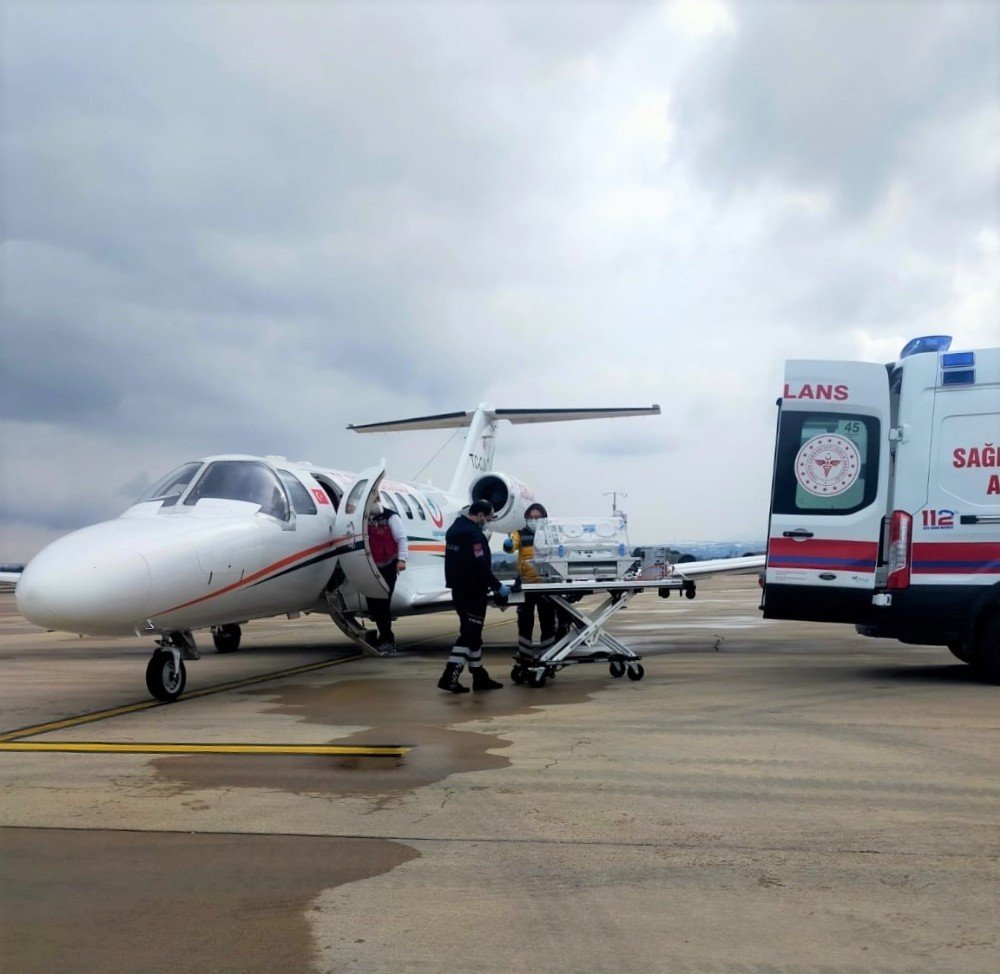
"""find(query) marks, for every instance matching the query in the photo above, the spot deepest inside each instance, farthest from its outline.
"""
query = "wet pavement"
(772, 797)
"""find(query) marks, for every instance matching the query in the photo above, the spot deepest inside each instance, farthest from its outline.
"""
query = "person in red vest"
(389, 550)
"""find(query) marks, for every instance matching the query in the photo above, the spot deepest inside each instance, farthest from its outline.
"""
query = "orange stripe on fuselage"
(257, 575)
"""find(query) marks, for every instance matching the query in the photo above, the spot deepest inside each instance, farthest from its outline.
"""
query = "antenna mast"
(614, 495)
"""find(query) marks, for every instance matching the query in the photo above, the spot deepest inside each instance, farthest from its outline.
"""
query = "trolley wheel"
(636, 672)
(616, 669)
(550, 672)
(536, 680)
(517, 674)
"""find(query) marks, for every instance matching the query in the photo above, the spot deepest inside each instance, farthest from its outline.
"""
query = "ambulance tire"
(962, 651)
(986, 646)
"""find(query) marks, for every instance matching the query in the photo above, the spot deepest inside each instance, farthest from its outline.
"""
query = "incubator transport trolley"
(586, 641)
(574, 557)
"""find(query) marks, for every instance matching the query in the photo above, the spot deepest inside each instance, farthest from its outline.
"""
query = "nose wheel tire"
(164, 680)
(226, 638)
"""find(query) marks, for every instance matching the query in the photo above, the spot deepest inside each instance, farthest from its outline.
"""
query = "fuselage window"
(242, 480)
(169, 489)
(302, 502)
(403, 505)
(387, 501)
(419, 506)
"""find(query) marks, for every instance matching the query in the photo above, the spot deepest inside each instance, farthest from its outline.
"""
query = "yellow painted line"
(55, 725)
(375, 751)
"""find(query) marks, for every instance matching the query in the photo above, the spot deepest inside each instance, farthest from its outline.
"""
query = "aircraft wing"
(718, 565)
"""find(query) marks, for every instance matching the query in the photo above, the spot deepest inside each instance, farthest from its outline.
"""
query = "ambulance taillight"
(900, 536)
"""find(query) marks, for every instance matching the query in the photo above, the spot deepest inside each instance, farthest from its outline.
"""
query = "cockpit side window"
(169, 489)
(302, 502)
(242, 480)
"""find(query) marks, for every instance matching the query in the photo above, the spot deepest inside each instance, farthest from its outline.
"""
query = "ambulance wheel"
(536, 680)
(637, 672)
(517, 674)
(616, 669)
(226, 638)
(163, 680)
(962, 650)
(986, 646)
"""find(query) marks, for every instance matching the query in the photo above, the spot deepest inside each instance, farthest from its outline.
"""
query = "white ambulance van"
(885, 499)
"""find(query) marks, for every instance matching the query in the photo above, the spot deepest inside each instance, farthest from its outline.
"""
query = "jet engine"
(509, 497)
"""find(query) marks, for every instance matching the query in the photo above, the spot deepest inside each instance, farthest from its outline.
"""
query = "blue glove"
(508, 545)
(504, 592)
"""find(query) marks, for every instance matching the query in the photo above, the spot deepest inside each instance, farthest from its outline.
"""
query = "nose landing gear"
(166, 675)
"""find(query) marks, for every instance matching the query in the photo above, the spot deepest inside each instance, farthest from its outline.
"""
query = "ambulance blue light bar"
(926, 343)
(958, 369)
(958, 360)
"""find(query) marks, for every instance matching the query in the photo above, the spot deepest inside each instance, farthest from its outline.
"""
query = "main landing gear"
(227, 638)
(166, 676)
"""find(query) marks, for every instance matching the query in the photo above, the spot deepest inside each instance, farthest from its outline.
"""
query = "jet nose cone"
(76, 585)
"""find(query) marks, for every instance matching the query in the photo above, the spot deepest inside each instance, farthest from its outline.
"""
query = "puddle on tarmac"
(120, 902)
(402, 708)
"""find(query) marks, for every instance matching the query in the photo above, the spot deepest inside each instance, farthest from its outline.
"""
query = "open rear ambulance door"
(829, 491)
(351, 524)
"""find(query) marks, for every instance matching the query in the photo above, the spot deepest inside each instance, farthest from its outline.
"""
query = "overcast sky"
(237, 227)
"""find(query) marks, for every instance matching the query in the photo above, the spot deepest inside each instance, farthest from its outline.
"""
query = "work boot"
(481, 680)
(449, 679)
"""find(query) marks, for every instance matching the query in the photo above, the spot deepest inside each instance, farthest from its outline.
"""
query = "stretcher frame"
(586, 640)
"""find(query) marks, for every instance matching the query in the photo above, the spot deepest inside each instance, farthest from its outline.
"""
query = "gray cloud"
(237, 227)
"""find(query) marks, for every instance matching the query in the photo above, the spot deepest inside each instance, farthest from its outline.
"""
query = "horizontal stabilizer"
(442, 421)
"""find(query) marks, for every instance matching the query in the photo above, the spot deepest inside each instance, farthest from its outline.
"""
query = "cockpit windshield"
(168, 489)
(242, 480)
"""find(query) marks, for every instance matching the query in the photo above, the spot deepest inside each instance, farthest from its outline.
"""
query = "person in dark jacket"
(469, 574)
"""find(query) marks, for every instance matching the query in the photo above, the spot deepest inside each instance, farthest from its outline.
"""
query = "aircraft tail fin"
(480, 441)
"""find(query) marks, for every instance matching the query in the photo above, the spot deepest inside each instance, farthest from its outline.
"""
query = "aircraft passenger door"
(351, 525)
(829, 491)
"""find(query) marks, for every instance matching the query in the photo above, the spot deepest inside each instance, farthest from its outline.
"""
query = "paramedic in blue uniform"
(469, 574)
(389, 550)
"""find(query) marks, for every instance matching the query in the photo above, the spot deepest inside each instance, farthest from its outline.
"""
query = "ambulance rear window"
(826, 463)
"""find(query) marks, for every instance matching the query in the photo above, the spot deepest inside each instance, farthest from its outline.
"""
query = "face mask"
(532, 523)
(377, 510)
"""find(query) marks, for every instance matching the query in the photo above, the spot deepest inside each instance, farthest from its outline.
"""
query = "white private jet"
(226, 539)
